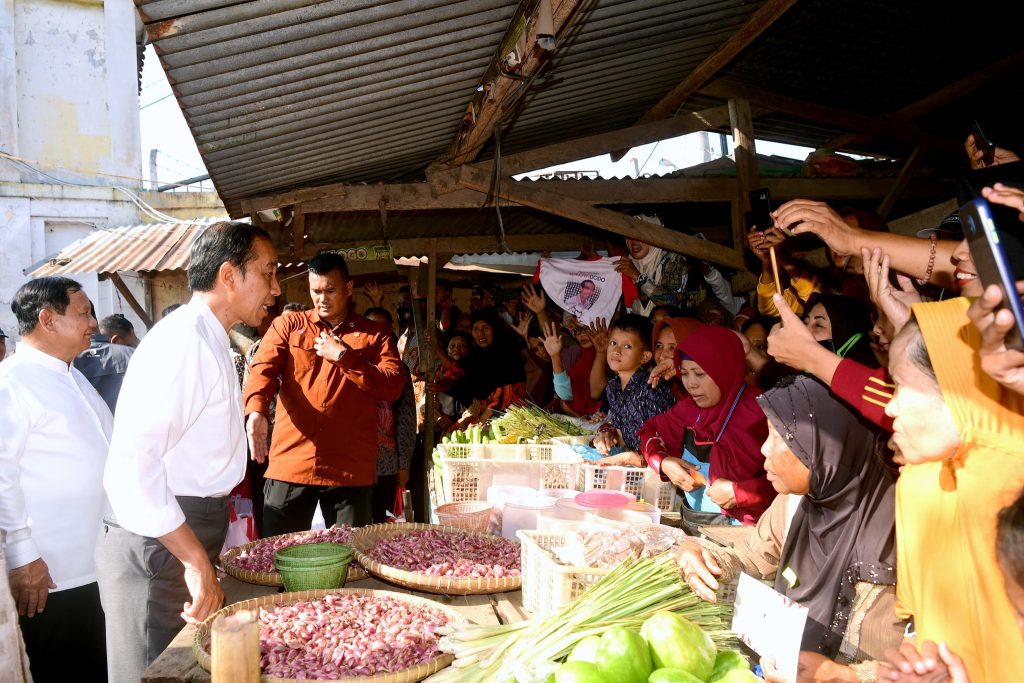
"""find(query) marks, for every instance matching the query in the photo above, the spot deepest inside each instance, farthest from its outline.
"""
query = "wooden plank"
(908, 170)
(500, 90)
(593, 145)
(759, 21)
(130, 298)
(621, 224)
(809, 111)
(747, 173)
(483, 244)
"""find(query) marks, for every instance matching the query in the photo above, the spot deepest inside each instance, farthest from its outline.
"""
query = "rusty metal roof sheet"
(148, 247)
(282, 94)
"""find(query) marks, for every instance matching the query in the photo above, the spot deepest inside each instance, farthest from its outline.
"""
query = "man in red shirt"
(332, 366)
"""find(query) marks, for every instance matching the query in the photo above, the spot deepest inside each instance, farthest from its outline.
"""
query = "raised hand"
(552, 340)
(374, 293)
(523, 327)
(599, 334)
(1002, 364)
(894, 303)
(804, 215)
(533, 298)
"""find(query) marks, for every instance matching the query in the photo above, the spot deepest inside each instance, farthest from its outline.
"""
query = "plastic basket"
(469, 514)
(642, 482)
(469, 478)
(307, 555)
(496, 451)
(548, 585)
(315, 578)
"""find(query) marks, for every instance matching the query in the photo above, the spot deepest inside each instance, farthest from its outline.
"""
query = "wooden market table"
(177, 663)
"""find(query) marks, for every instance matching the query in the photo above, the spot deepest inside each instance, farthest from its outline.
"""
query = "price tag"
(771, 624)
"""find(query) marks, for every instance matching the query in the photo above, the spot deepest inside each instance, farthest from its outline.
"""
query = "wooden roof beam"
(606, 219)
(809, 111)
(759, 21)
(420, 196)
(499, 89)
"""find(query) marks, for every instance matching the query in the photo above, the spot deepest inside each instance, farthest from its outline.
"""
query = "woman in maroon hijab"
(709, 443)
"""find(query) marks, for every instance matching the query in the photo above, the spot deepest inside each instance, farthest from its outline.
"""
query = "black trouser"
(288, 507)
(65, 642)
(384, 497)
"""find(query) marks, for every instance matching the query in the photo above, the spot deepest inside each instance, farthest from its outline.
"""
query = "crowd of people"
(858, 425)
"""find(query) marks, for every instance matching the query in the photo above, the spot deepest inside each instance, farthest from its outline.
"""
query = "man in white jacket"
(54, 435)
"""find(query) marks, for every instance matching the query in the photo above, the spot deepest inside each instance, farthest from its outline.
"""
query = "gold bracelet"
(931, 258)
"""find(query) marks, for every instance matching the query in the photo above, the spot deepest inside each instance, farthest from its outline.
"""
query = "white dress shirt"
(54, 436)
(179, 428)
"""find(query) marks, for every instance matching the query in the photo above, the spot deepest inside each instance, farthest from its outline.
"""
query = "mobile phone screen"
(760, 215)
(981, 142)
(999, 259)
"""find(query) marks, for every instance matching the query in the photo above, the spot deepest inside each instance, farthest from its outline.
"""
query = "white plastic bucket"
(522, 514)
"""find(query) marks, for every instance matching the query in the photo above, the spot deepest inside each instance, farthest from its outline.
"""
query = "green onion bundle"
(531, 421)
(627, 596)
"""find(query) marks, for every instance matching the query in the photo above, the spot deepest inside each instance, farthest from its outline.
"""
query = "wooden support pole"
(130, 298)
(235, 649)
(621, 224)
(747, 174)
(427, 365)
(908, 170)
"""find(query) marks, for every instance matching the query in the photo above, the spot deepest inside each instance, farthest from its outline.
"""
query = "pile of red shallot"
(450, 553)
(260, 558)
(340, 636)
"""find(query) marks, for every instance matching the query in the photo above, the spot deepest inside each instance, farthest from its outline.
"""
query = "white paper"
(771, 624)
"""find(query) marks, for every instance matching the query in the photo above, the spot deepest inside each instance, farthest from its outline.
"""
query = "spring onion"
(627, 596)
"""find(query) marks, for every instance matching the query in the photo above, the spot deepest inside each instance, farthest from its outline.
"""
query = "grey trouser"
(142, 587)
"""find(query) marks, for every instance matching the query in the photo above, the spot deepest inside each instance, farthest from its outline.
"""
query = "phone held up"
(982, 143)
(760, 214)
(999, 258)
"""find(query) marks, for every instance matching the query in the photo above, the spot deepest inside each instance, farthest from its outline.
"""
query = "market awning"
(138, 248)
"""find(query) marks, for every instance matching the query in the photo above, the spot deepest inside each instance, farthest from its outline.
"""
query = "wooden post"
(427, 354)
(747, 174)
(235, 649)
(130, 298)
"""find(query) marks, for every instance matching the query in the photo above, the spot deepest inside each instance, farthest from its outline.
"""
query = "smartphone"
(760, 214)
(981, 142)
(999, 258)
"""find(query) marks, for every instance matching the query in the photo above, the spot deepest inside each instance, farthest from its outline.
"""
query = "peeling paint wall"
(69, 108)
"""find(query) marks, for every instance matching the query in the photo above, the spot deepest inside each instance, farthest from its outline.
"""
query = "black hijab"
(843, 532)
(848, 318)
(497, 365)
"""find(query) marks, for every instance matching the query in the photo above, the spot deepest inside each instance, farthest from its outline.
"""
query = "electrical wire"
(497, 187)
(132, 197)
(641, 167)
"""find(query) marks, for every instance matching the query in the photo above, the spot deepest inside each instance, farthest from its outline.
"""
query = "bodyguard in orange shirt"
(333, 366)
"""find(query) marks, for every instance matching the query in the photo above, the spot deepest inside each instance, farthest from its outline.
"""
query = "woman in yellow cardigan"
(962, 436)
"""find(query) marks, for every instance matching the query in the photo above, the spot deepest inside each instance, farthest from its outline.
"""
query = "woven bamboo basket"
(366, 538)
(355, 572)
(202, 654)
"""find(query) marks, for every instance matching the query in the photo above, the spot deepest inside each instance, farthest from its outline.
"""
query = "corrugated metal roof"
(139, 248)
(282, 94)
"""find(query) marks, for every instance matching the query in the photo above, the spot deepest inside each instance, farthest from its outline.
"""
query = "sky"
(164, 129)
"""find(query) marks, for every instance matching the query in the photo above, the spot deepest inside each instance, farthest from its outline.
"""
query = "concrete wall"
(68, 109)
(187, 205)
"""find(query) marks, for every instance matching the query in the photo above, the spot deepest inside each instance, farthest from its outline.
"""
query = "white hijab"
(650, 264)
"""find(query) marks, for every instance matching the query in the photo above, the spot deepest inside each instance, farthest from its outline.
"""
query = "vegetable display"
(260, 558)
(347, 635)
(599, 630)
(450, 553)
(530, 422)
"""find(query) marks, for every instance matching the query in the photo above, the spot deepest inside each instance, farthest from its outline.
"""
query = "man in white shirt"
(54, 434)
(178, 449)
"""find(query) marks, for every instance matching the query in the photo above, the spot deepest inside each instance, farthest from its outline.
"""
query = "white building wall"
(68, 108)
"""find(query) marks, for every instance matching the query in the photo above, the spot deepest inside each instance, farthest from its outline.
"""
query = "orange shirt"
(325, 432)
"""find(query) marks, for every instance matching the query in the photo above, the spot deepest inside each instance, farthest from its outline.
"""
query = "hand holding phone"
(760, 214)
(999, 259)
(983, 144)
